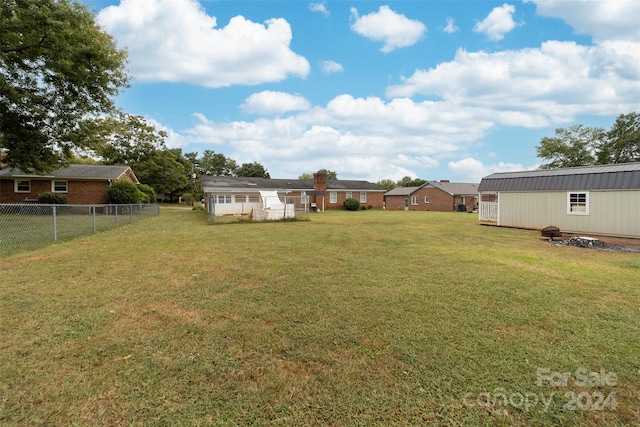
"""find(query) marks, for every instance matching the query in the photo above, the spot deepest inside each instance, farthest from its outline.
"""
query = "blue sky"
(376, 90)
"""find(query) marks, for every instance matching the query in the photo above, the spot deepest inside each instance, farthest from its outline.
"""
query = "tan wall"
(439, 200)
(611, 212)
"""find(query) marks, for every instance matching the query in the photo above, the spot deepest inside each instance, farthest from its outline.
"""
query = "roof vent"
(444, 180)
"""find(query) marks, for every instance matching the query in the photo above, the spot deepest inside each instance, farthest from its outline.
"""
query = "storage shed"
(601, 200)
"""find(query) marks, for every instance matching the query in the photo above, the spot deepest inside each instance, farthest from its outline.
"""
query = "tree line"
(580, 145)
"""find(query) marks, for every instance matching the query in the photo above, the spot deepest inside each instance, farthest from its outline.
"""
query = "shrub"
(51, 198)
(363, 208)
(123, 192)
(351, 204)
(144, 197)
(149, 191)
(186, 198)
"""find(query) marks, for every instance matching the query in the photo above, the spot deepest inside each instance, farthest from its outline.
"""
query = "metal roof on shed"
(601, 177)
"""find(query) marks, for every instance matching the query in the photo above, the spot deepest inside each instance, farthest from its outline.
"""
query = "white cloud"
(535, 87)
(320, 7)
(393, 29)
(176, 41)
(367, 137)
(472, 170)
(270, 102)
(330, 67)
(451, 27)
(497, 23)
(604, 20)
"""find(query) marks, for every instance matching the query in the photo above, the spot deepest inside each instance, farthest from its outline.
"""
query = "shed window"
(414, 200)
(333, 197)
(59, 186)
(363, 197)
(578, 203)
(223, 198)
(22, 186)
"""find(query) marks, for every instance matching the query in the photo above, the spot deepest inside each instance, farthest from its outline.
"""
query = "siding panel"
(610, 212)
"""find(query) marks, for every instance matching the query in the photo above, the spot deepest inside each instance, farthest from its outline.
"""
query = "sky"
(374, 90)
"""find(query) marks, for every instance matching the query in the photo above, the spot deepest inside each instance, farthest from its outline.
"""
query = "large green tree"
(58, 72)
(125, 139)
(573, 146)
(622, 144)
(164, 170)
(579, 145)
(212, 163)
(253, 169)
(387, 184)
(330, 174)
(407, 181)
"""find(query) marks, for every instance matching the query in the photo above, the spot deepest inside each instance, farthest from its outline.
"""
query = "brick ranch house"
(442, 196)
(82, 184)
(228, 195)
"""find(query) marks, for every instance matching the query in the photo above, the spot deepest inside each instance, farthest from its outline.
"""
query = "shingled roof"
(453, 188)
(235, 183)
(600, 177)
(78, 172)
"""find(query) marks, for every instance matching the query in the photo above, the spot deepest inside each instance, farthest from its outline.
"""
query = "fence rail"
(27, 226)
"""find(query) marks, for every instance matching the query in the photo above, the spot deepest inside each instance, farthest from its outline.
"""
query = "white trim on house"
(20, 182)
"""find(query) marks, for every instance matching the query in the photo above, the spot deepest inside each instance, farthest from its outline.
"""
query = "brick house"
(442, 196)
(82, 184)
(229, 195)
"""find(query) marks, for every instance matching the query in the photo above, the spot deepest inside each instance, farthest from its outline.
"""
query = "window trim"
(333, 197)
(53, 186)
(16, 185)
(363, 197)
(577, 202)
(427, 199)
(414, 200)
(349, 194)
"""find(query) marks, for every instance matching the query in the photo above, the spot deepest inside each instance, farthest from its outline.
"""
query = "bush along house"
(228, 195)
(81, 184)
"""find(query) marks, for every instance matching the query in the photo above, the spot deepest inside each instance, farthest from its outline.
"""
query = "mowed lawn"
(352, 318)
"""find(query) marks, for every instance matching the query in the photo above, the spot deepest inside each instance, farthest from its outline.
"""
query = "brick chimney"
(320, 182)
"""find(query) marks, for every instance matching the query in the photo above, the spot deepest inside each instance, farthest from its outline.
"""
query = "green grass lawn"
(352, 318)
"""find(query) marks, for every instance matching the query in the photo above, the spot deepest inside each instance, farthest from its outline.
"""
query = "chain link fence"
(28, 226)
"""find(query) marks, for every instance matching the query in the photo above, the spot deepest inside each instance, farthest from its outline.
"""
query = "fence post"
(116, 207)
(93, 213)
(55, 225)
(130, 214)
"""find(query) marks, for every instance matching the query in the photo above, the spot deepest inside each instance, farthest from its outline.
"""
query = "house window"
(414, 200)
(349, 194)
(578, 203)
(426, 199)
(22, 186)
(333, 197)
(363, 197)
(303, 198)
(59, 186)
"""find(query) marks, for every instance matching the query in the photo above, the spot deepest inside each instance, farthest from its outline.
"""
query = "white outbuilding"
(600, 200)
